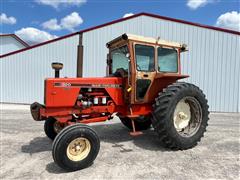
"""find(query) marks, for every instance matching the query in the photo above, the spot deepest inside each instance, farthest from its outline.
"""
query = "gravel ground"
(26, 152)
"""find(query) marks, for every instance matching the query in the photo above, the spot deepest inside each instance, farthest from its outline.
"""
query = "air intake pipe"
(57, 67)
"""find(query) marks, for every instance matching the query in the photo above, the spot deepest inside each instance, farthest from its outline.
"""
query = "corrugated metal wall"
(212, 60)
(23, 74)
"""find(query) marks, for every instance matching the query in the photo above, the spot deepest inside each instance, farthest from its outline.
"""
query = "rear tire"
(75, 147)
(141, 123)
(166, 115)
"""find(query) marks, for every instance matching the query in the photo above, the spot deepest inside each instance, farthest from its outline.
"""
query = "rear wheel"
(75, 147)
(180, 115)
(52, 127)
(141, 123)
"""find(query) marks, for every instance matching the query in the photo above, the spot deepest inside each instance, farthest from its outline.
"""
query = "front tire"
(52, 127)
(75, 147)
(180, 115)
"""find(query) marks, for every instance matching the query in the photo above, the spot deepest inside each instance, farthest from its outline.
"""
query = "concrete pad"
(26, 151)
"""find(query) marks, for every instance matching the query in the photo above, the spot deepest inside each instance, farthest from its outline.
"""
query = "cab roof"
(151, 40)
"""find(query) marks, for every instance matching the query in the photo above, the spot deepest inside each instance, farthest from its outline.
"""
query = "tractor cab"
(145, 64)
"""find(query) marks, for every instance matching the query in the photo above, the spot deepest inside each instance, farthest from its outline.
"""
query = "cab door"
(145, 71)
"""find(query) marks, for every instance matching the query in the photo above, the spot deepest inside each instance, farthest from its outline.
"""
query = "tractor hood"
(63, 92)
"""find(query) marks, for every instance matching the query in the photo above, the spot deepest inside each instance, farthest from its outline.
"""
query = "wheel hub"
(57, 127)
(182, 115)
(78, 149)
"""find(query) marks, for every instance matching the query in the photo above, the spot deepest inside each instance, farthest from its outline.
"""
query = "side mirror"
(57, 67)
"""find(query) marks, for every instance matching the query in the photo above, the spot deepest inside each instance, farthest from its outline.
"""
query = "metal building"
(212, 60)
(10, 43)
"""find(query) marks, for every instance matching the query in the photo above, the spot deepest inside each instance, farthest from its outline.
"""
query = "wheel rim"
(187, 116)
(78, 149)
(57, 127)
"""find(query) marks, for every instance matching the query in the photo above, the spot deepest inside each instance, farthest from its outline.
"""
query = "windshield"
(119, 59)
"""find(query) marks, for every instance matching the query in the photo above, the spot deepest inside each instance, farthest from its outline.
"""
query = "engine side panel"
(63, 92)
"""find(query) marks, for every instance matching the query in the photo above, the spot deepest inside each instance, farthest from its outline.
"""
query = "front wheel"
(52, 127)
(75, 147)
(180, 115)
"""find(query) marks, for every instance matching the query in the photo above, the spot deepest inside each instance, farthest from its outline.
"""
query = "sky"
(36, 21)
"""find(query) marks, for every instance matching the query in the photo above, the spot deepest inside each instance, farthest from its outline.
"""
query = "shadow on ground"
(54, 169)
(37, 145)
(116, 134)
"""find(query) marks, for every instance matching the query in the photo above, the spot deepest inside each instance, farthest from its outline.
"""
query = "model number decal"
(62, 84)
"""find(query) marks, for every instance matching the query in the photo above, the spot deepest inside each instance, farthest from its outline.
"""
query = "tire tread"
(161, 111)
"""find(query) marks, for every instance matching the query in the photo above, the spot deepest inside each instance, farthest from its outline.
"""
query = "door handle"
(145, 75)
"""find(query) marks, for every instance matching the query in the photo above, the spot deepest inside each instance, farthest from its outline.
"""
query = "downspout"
(80, 57)
(238, 96)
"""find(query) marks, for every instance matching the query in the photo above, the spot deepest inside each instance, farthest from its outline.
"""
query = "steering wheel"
(120, 72)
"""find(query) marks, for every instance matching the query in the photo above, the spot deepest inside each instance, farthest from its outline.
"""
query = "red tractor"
(141, 88)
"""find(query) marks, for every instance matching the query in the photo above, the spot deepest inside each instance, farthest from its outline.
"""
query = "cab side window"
(144, 58)
(167, 60)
